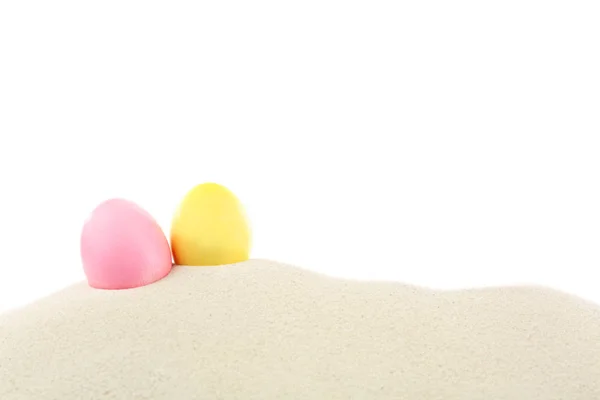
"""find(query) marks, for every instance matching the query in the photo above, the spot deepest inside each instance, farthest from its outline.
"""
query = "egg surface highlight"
(122, 247)
(210, 228)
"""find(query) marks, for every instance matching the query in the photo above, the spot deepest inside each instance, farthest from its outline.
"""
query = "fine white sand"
(263, 330)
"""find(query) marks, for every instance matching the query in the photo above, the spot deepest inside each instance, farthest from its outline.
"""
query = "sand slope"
(262, 330)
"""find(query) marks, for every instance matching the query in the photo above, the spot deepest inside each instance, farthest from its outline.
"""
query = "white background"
(449, 144)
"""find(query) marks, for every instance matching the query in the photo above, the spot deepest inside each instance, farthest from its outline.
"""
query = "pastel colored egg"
(210, 228)
(122, 247)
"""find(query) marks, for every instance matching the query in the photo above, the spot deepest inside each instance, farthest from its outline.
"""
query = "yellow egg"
(210, 228)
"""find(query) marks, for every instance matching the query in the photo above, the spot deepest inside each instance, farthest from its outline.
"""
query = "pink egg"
(123, 247)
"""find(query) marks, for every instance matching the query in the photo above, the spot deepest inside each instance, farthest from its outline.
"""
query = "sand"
(263, 330)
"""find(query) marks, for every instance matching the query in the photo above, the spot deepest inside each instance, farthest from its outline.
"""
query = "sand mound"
(262, 330)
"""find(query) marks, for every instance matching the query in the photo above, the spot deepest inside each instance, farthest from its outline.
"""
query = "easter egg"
(123, 247)
(210, 228)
